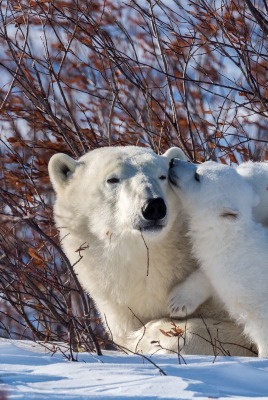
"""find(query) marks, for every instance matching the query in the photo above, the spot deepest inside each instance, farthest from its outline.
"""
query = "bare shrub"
(79, 75)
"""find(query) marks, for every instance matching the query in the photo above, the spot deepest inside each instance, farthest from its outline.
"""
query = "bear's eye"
(163, 177)
(197, 177)
(113, 180)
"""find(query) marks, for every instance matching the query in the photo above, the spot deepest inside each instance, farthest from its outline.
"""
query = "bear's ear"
(175, 152)
(60, 167)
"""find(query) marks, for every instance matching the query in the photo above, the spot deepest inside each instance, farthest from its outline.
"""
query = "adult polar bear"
(118, 201)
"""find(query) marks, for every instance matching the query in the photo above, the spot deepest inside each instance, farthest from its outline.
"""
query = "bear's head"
(213, 191)
(114, 191)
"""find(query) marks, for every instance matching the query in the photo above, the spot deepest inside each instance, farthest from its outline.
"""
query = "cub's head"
(212, 190)
(114, 191)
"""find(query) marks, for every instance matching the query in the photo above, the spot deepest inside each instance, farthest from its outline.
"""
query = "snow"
(29, 371)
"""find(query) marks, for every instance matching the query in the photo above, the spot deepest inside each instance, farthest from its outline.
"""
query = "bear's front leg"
(187, 296)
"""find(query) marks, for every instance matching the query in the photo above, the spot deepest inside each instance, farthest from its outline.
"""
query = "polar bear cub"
(229, 244)
(186, 298)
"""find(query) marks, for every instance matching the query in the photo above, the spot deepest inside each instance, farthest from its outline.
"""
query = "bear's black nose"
(154, 209)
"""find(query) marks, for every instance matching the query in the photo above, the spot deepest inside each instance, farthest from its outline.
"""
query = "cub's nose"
(154, 209)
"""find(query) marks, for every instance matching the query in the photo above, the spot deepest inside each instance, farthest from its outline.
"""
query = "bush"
(80, 75)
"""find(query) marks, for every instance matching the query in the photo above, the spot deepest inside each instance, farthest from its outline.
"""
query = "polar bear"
(229, 244)
(122, 229)
(186, 298)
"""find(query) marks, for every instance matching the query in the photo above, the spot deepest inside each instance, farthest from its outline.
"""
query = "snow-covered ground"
(28, 372)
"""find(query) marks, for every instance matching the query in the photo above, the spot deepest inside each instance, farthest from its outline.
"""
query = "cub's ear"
(175, 152)
(60, 167)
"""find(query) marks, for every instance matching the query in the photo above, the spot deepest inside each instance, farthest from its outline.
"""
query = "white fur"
(256, 173)
(186, 297)
(229, 244)
(128, 266)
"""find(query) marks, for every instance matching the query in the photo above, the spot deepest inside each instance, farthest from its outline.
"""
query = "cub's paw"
(182, 302)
